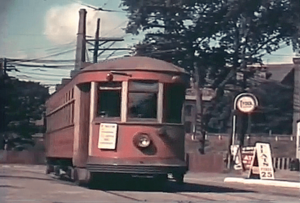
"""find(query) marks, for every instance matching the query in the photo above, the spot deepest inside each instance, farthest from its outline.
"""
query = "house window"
(174, 95)
(109, 99)
(142, 99)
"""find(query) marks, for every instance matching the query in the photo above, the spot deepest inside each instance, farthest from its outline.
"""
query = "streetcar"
(121, 116)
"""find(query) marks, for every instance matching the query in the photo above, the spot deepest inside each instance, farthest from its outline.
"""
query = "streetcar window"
(142, 99)
(109, 99)
(174, 95)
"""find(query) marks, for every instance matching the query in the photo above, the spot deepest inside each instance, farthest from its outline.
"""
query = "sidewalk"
(283, 178)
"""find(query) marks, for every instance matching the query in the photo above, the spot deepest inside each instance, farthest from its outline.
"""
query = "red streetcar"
(120, 116)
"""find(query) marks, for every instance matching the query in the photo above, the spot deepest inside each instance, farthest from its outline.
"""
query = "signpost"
(298, 140)
(245, 103)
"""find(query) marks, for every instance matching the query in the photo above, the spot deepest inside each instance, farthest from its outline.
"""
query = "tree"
(221, 36)
(23, 103)
(179, 32)
(216, 38)
(275, 113)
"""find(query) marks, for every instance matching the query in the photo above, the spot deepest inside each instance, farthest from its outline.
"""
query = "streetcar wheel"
(57, 170)
(179, 178)
(81, 177)
(49, 169)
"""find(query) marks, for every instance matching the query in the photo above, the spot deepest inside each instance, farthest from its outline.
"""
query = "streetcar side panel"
(81, 124)
(59, 136)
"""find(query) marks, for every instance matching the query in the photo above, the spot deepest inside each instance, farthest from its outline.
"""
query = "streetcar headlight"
(142, 140)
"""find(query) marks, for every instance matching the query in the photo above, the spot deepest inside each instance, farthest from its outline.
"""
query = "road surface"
(30, 184)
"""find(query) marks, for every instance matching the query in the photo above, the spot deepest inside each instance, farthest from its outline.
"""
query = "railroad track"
(174, 191)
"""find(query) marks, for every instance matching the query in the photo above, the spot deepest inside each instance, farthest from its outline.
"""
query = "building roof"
(134, 63)
(279, 71)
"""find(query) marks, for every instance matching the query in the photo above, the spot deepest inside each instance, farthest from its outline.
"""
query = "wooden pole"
(95, 57)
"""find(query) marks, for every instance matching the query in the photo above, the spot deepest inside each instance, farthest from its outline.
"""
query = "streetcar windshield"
(174, 95)
(142, 99)
(109, 99)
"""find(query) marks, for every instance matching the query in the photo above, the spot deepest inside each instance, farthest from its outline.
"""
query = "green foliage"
(219, 37)
(276, 109)
(23, 104)
(180, 33)
(217, 114)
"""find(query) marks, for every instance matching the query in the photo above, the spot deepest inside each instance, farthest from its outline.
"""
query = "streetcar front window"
(142, 99)
(109, 99)
(174, 95)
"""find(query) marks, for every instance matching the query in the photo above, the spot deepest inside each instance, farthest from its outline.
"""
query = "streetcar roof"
(134, 63)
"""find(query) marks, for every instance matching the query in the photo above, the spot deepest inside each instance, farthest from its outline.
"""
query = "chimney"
(80, 47)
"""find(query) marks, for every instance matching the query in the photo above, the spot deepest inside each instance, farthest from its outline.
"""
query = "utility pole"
(199, 129)
(81, 43)
(81, 40)
(3, 67)
(95, 57)
(3, 74)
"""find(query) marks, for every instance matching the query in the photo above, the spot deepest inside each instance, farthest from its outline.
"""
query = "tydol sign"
(246, 104)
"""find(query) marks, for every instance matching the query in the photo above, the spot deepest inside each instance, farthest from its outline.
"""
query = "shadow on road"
(10, 186)
(24, 177)
(169, 186)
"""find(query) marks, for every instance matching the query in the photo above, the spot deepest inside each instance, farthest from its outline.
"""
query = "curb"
(276, 183)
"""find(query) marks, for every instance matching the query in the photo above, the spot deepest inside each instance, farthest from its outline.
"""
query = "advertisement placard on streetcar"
(107, 136)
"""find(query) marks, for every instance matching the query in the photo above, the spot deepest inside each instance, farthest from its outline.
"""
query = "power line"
(46, 74)
(97, 8)
(40, 60)
(35, 78)
(43, 66)
(57, 54)
(119, 25)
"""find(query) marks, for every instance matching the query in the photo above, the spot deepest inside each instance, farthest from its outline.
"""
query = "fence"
(22, 157)
(196, 162)
(205, 163)
(286, 163)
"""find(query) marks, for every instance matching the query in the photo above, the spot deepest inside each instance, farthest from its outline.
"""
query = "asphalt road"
(30, 184)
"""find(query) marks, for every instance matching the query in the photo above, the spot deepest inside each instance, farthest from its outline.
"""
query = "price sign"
(264, 161)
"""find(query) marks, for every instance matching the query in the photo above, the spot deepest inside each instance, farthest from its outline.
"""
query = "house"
(281, 73)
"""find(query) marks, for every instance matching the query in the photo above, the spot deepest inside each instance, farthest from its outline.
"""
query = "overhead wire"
(118, 26)
(40, 60)
(43, 66)
(48, 74)
(97, 8)
(48, 49)
(32, 77)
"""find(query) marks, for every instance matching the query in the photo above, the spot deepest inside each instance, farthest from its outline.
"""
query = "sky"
(31, 29)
